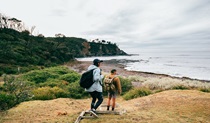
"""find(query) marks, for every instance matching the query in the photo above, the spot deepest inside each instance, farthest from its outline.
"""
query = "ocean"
(195, 65)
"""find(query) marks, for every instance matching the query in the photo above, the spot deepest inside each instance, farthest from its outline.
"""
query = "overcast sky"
(146, 25)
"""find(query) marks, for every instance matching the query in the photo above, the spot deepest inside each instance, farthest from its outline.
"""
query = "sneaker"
(93, 110)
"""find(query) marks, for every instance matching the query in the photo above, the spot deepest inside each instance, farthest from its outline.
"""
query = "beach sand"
(142, 79)
(108, 65)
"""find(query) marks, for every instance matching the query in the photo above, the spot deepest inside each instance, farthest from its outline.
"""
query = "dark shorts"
(112, 94)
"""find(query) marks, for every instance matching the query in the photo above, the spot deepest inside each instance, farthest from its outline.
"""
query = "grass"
(137, 92)
(179, 105)
(167, 106)
(205, 90)
(168, 83)
(1, 81)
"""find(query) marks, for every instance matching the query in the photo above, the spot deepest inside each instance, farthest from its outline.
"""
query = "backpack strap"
(112, 78)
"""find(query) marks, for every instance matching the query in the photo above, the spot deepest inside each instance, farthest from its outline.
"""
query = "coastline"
(107, 65)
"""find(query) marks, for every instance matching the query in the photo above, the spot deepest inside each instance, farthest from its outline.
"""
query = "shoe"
(93, 110)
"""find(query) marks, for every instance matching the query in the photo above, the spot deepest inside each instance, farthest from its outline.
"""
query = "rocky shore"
(119, 65)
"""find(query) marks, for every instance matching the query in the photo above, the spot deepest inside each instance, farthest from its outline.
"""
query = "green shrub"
(75, 91)
(51, 83)
(28, 68)
(125, 84)
(39, 76)
(8, 69)
(70, 77)
(59, 92)
(137, 92)
(20, 89)
(6, 101)
(47, 93)
(180, 87)
(59, 70)
(205, 90)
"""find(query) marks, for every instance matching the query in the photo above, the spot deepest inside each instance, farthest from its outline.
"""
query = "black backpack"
(86, 80)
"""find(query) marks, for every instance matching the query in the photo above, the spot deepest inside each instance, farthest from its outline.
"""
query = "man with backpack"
(113, 86)
(95, 90)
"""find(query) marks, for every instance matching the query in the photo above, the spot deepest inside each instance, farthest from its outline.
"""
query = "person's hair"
(113, 70)
(96, 64)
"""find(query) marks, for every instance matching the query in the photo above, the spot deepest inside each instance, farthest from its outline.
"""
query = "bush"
(59, 70)
(75, 91)
(20, 89)
(205, 90)
(47, 93)
(8, 69)
(39, 76)
(28, 68)
(180, 87)
(137, 92)
(70, 77)
(6, 101)
(125, 84)
(51, 83)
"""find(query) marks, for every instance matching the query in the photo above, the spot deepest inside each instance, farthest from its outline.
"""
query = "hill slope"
(20, 51)
(167, 106)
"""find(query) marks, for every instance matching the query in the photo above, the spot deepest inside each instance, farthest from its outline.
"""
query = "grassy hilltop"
(178, 106)
(46, 93)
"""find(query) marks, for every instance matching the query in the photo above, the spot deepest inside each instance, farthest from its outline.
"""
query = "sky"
(134, 25)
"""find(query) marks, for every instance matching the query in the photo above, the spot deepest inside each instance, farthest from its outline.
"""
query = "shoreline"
(107, 65)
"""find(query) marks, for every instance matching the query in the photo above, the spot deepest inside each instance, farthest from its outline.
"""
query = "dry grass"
(168, 106)
(173, 106)
(1, 81)
(46, 111)
(166, 83)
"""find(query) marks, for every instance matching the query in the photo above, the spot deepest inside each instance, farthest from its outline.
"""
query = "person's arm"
(118, 85)
(96, 75)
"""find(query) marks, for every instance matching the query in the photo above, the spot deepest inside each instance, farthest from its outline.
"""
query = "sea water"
(195, 65)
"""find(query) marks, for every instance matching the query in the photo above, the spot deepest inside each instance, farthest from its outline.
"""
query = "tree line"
(20, 51)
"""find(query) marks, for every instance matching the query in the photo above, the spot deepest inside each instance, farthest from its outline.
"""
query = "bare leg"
(108, 103)
(113, 103)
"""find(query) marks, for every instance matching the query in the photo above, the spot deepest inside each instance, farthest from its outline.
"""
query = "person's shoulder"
(116, 78)
(96, 69)
(92, 67)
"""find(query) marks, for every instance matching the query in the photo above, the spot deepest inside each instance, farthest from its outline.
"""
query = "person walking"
(96, 89)
(117, 89)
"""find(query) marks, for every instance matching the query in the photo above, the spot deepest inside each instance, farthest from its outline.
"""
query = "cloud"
(59, 7)
(143, 24)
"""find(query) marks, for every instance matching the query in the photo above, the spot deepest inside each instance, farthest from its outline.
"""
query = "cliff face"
(101, 49)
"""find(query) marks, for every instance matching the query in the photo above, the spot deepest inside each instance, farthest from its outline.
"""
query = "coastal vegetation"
(168, 83)
(45, 84)
(21, 51)
(62, 82)
(155, 85)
